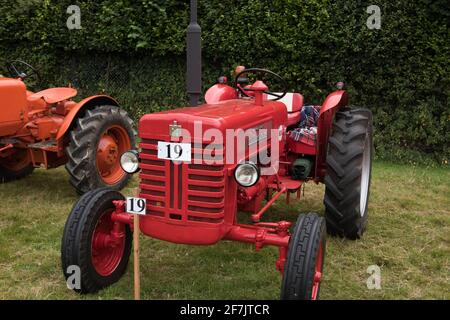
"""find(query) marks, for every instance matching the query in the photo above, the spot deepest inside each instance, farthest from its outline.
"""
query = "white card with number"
(174, 151)
(136, 205)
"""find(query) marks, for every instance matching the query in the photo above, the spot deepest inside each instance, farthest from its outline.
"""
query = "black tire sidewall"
(105, 204)
(95, 203)
(364, 216)
(309, 245)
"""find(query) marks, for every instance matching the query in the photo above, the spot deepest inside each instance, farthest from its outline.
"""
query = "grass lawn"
(408, 236)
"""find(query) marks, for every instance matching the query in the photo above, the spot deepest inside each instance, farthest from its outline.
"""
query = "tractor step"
(290, 184)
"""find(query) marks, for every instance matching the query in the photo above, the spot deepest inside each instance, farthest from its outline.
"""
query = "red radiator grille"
(184, 192)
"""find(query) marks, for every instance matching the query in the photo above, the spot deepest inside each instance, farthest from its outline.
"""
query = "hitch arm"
(256, 217)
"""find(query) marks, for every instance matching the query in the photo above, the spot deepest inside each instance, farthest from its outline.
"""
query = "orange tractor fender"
(84, 104)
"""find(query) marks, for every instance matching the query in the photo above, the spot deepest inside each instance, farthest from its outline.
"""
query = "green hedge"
(400, 71)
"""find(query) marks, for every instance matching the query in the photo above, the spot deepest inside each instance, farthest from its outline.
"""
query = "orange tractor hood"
(53, 95)
(230, 114)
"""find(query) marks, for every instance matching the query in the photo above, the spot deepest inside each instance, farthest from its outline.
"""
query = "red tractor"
(48, 129)
(241, 151)
(196, 202)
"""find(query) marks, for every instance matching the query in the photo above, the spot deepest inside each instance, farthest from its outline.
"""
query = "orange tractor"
(48, 129)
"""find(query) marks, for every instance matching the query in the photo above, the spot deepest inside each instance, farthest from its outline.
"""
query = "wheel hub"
(112, 144)
(107, 152)
(107, 245)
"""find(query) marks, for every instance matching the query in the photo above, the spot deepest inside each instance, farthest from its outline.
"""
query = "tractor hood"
(230, 114)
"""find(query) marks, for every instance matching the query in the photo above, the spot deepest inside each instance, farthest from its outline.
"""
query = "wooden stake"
(137, 281)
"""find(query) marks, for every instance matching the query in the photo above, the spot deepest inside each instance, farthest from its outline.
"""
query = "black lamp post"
(194, 57)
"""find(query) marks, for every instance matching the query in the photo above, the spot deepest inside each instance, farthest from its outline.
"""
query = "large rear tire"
(349, 167)
(96, 144)
(16, 166)
(99, 247)
(304, 264)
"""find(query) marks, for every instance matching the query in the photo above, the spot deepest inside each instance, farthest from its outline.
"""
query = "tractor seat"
(294, 103)
(53, 95)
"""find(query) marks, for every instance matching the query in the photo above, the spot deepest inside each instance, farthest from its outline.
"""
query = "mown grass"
(408, 236)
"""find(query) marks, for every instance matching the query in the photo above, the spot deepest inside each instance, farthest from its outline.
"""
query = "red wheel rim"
(17, 161)
(317, 273)
(107, 246)
(113, 143)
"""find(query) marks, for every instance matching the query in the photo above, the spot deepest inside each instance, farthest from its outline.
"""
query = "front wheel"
(99, 247)
(304, 264)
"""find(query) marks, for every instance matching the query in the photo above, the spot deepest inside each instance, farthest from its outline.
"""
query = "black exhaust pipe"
(194, 57)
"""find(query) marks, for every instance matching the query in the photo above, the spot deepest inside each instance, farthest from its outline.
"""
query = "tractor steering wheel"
(259, 71)
(22, 74)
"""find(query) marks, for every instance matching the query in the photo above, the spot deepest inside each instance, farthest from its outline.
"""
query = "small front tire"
(98, 246)
(304, 263)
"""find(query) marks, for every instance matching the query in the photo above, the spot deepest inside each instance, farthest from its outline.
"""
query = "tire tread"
(344, 167)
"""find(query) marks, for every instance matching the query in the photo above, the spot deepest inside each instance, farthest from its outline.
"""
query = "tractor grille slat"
(151, 197)
(153, 178)
(207, 203)
(152, 167)
(186, 192)
(147, 156)
(155, 207)
(201, 183)
(209, 194)
(153, 187)
(209, 173)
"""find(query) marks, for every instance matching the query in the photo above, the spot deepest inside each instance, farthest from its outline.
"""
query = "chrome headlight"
(129, 161)
(247, 174)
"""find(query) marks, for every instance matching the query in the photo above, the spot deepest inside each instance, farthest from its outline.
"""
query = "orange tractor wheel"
(96, 143)
(15, 166)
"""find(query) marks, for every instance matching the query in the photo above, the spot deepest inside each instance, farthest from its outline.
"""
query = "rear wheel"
(304, 264)
(349, 167)
(96, 144)
(16, 166)
(99, 246)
